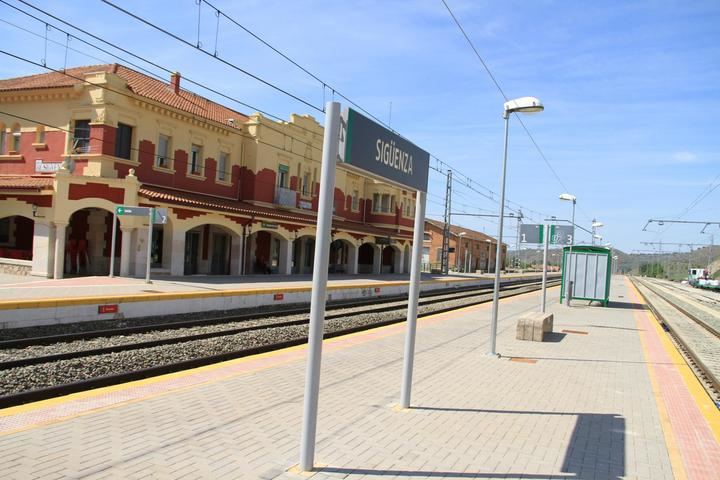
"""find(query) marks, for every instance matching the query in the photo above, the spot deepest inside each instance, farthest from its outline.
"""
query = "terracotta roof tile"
(138, 83)
(26, 182)
(243, 208)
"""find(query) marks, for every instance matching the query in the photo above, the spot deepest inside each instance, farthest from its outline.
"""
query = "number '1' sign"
(559, 234)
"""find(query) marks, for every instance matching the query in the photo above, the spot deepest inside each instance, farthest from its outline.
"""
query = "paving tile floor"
(580, 406)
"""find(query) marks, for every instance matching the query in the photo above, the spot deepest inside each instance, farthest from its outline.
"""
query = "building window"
(81, 137)
(376, 202)
(306, 184)
(163, 152)
(40, 134)
(355, 200)
(427, 237)
(438, 257)
(123, 141)
(385, 203)
(222, 165)
(16, 134)
(3, 138)
(393, 205)
(195, 159)
(283, 176)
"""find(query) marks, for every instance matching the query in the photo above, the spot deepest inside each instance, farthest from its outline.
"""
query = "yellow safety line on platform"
(148, 381)
(674, 454)
(144, 297)
(705, 404)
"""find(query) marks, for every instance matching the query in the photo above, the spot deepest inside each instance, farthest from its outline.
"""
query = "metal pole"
(413, 296)
(569, 283)
(498, 252)
(149, 246)
(445, 258)
(545, 266)
(319, 286)
(112, 245)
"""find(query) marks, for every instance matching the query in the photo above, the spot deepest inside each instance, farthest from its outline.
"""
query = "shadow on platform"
(596, 449)
(627, 306)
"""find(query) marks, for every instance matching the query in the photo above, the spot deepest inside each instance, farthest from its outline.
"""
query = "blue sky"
(630, 89)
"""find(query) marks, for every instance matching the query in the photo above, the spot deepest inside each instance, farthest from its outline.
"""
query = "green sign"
(132, 211)
(559, 234)
(373, 148)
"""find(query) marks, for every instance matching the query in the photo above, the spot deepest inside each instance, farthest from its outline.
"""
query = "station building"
(470, 250)
(241, 190)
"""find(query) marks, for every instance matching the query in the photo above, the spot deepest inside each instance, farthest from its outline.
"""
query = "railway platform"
(607, 397)
(27, 301)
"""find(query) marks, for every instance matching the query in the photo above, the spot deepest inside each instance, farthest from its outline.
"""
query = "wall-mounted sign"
(304, 204)
(373, 148)
(384, 241)
(113, 308)
(46, 167)
(273, 226)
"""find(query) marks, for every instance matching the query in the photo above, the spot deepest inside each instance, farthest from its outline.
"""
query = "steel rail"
(114, 379)
(109, 332)
(693, 357)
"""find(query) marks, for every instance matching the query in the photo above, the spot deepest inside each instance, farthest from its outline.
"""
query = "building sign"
(49, 167)
(273, 226)
(373, 148)
(384, 241)
(305, 205)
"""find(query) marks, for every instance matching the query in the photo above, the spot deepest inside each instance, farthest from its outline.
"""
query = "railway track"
(34, 369)
(695, 330)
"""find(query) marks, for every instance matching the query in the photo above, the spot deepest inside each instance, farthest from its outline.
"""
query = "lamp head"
(598, 224)
(567, 196)
(523, 105)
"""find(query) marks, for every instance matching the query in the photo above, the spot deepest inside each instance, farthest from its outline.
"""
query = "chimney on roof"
(175, 81)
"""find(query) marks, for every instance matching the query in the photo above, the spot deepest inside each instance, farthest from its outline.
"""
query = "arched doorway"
(208, 250)
(16, 237)
(366, 258)
(407, 259)
(88, 239)
(339, 256)
(303, 254)
(267, 252)
(388, 260)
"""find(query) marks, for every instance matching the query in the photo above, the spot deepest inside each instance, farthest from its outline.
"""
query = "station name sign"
(373, 148)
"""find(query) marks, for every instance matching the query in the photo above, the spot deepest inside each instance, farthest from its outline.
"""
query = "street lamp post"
(519, 105)
(569, 282)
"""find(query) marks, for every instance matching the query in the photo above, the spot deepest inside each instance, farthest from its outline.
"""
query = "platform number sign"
(559, 234)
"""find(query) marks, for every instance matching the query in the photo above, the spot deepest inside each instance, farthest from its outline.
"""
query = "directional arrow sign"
(132, 211)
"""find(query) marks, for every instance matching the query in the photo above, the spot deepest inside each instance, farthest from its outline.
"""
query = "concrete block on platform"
(534, 325)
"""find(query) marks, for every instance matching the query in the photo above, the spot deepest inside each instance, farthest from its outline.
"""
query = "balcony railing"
(285, 197)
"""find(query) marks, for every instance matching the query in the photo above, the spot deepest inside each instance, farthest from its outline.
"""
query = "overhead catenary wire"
(506, 98)
(214, 91)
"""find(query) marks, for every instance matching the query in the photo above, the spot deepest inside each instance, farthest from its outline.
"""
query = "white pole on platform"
(545, 266)
(151, 217)
(112, 244)
(413, 296)
(319, 285)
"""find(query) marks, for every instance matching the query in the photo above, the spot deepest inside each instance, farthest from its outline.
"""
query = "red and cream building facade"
(241, 190)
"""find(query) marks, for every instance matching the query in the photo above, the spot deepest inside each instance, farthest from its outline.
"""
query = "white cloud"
(685, 157)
